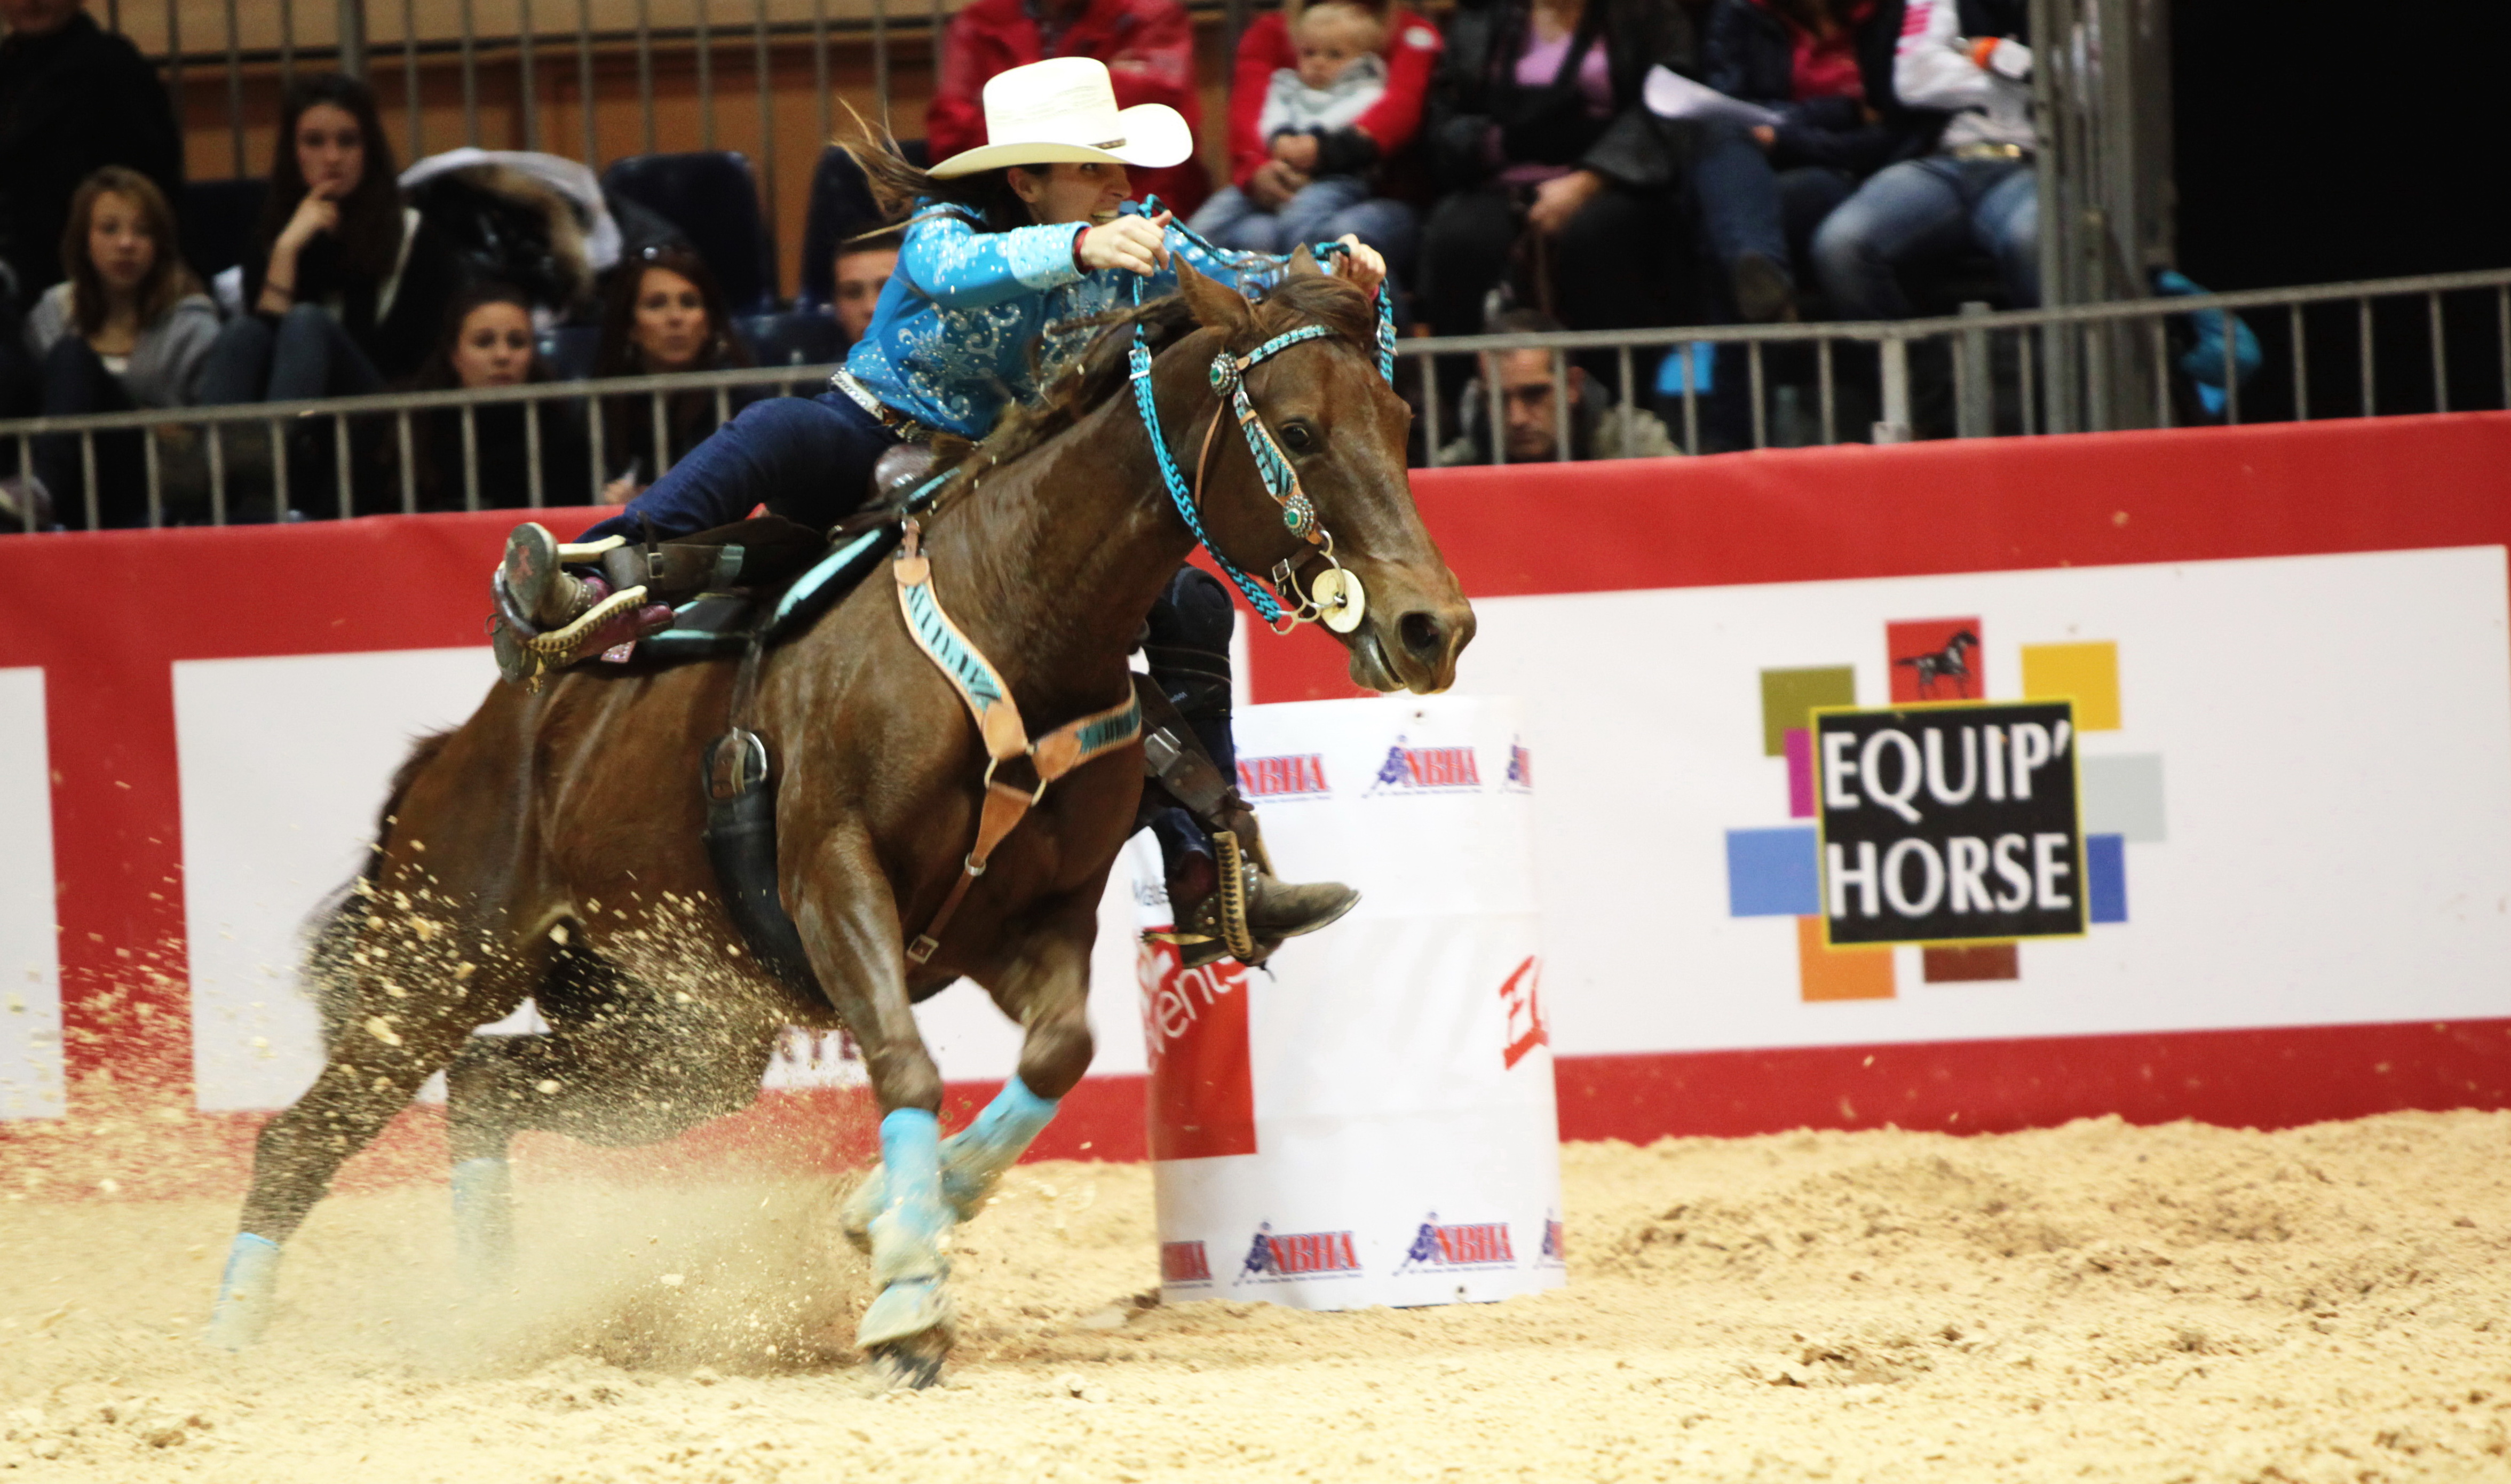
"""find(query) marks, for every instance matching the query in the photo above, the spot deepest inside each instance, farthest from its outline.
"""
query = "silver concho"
(1341, 602)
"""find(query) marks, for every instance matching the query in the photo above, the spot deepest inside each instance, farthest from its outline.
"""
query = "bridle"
(1334, 596)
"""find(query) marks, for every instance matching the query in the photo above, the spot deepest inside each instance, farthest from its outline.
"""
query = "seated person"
(1315, 148)
(1599, 428)
(488, 342)
(1975, 192)
(863, 265)
(1825, 68)
(1537, 129)
(1146, 45)
(128, 328)
(662, 312)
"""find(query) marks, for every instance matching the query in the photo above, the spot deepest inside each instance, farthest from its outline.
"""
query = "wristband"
(1078, 266)
(1980, 50)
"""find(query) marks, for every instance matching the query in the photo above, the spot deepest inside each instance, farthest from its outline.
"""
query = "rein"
(1334, 596)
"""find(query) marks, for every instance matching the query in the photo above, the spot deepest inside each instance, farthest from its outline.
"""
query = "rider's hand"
(1361, 264)
(1134, 244)
(1561, 198)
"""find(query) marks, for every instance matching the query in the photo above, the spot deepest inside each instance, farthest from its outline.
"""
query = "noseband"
(1334, 596)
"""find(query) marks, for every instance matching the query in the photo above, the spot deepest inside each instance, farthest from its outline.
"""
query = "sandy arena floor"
(2097, 1301)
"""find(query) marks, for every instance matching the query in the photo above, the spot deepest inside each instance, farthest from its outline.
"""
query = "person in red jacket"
(1411, 54)
(1147, 44)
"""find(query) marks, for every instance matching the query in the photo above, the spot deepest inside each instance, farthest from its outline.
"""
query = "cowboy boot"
(548, 618)
(1227, 902)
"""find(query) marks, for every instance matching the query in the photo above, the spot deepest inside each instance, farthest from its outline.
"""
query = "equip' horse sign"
(1950, 823)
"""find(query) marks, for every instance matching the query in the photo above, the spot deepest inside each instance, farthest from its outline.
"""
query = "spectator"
(1825, 68)
(1385, 132)
(1976, 189)
(488, 341)
(127, 329)
(664, 313)
(346, 287)
(73, 98)
(863, 268)
(1147, 44)
(1537, 129)
(1598, 429)
(1316, 179)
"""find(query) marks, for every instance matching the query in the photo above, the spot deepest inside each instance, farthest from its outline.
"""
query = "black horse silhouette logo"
(1950, 662)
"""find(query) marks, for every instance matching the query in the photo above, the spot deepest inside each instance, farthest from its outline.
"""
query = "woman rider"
(1029, 231)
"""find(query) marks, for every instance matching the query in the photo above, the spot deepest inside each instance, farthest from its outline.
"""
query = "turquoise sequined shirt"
(949, 341)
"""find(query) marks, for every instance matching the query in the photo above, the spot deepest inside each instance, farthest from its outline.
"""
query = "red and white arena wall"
(2289, 646)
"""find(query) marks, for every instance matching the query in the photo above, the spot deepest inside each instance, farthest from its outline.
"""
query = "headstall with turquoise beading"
(1334, 596)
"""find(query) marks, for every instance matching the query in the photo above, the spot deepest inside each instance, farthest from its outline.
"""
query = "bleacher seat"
(799, 336)
(214, 219)
(710, 197)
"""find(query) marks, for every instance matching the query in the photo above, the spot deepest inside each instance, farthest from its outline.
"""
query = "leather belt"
(907, 427)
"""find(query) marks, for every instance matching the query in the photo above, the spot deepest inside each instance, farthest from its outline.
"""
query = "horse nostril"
(1422, 634)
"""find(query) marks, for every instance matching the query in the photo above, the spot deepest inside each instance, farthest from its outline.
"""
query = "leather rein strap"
(998, 722)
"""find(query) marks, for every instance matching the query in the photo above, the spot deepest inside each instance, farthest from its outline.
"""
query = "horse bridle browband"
(1334, 596)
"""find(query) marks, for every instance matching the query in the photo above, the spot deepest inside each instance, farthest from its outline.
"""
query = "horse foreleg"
(1048, 992)
(849, 923)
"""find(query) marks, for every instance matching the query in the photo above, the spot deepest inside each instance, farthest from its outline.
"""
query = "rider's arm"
(955, 265)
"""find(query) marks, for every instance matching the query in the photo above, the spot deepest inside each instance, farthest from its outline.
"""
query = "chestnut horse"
(550, 847)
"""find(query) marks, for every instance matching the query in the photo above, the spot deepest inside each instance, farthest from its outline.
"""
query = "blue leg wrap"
(906, 1236)
(244, 1292)
(976, 1157)
(483, 1221)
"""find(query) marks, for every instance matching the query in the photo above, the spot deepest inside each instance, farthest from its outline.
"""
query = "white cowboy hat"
(1064, 109)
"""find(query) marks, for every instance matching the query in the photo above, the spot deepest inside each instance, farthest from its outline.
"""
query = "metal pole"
(593, 430)
(2439, 355)
(2023, 354)
(235, 91)
(2161, 338)
(409, 467)
(661, 440)
(278, 433)
(880, 61)
(175, 61)
(1498, 412)
(532, 452)
(1761, 398)
(287, 43)
(340, 465)
(217, 473)
(470, 458)
(1430, 409)
(2053, 179)
(705, 78)
(529, 73)
(584, 81)
(1894, 425)
(1974, 385)
(1689, 350)
(25, 465)
(156, 479)
(644, 69)
(1830, 393)
(2363, 333)
(409, 76)
(1560, 408)
(768, 152)
(2300, 368)
(470, 81)
(353, 37)
(86, 479)
(1622, 367)
(2231, 369)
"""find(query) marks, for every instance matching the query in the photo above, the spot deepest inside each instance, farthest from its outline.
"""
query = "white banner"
(1371, 1120)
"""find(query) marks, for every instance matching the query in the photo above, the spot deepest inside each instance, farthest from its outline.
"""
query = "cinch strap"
(998, 722)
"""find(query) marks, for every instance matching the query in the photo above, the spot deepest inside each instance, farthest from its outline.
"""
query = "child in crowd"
(127, 329)
(488, 342)
(1307, 124)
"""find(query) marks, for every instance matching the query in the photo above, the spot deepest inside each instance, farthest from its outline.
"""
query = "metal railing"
(1990, 370)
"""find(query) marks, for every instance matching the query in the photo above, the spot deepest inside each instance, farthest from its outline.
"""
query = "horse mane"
(1101, 369)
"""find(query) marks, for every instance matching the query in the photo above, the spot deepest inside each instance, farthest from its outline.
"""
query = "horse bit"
(1334, 596)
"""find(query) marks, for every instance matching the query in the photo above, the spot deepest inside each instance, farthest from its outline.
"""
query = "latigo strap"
(998, 721)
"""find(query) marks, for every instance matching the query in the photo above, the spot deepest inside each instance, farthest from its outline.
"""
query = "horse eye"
(1296, 438)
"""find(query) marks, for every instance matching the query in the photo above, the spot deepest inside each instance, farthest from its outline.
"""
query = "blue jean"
(1748, 205)
(303, 354)
(1921, 212)
(1320, 211)
(806, 459)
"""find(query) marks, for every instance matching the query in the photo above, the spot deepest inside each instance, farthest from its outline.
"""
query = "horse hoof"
(246, 1293)
(904, 1365)
(909, 1309)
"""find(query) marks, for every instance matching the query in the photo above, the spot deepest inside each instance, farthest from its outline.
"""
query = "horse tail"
(331, 929)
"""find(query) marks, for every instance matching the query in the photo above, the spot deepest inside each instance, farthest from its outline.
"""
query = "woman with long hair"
(488, 341)
(129, 327)
(1012, 247)
(346, 286)
(663, 311)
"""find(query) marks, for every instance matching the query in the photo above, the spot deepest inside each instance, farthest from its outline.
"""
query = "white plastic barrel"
(1368, 1119)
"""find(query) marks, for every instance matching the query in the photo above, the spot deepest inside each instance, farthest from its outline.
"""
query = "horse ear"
(1216, 306)
(1303, 263)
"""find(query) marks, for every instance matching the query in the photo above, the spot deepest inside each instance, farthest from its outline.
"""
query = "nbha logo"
(1477, 1245)
(1556, 1248)
(1184, 1262)
(1427, 770)
(1304, 1254)
(1520, 770)
(1301, 777)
